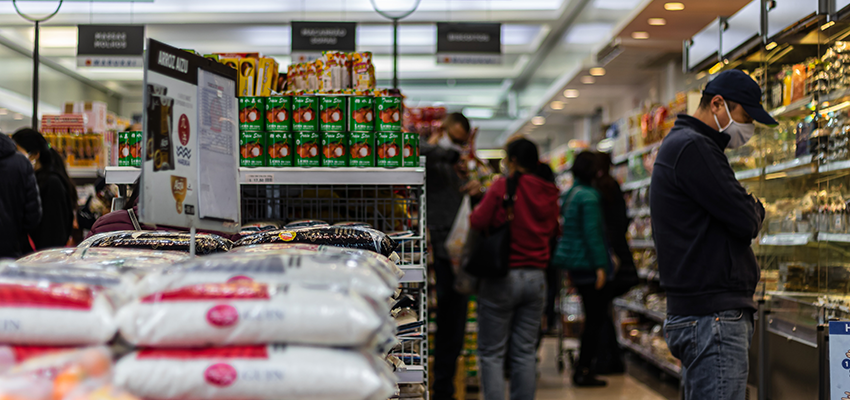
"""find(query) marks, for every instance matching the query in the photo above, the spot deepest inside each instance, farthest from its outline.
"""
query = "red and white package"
(54, 314)
(44, 373)
(247, 312)
(255, 373)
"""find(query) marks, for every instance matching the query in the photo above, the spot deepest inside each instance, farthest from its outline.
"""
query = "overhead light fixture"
(640, 35)
(588, 80)
(570, 93)
(4, 111)
(726, 61)
(657, 21)
(557, 105)
(18, 117)
(538, 120)
(716, 68)
(597, 71)
(674, 6)
(490, 154)
(701, 75)
(478, 112)
(770, 46)
(827, 25)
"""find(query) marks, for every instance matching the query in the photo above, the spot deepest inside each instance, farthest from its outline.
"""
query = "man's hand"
(600, 278)
(435, 138)
(473, 188)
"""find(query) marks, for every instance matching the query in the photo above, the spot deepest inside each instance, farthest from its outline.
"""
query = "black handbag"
(491, 256)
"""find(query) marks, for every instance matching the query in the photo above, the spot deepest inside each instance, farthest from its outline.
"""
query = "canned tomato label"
(410, 152)
(388, 149)
(251, 111)
(332, 113)
(360, 145)
(305, 113)
(279, 114)
(361, 113)
(389, 113)
(252, 149)
(129, 149)
(307, 149)
(280, 149)
(334, 145)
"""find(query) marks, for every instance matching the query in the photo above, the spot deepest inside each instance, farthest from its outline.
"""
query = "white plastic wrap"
(385, 264)
(54, 373)
(247, 312)
(333, 269)
(255, 373)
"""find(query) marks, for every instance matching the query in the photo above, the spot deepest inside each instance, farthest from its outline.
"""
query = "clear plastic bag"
(456, 240)
(338, 236)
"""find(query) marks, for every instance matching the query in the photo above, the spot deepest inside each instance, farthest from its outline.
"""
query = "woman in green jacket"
(582, 252)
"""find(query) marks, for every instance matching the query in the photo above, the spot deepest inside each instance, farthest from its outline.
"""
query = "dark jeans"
(596, 304)
(610, 355)
(451, 321)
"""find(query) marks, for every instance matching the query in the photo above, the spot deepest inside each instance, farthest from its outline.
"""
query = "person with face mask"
(20, 204)
(704, 222)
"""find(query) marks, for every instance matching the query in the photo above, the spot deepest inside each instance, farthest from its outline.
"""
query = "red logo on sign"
(240, 278)
(183, 129)
(220, 374)
(222, 316)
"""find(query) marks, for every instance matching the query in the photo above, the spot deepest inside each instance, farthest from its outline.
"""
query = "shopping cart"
(570, 315)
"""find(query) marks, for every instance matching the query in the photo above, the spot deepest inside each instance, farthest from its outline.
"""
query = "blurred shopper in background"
(20, 205)
(510, 308)
(582, 252)
(58, 193)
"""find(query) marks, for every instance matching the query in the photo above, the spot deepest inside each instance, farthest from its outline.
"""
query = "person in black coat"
(20, 206)
(58, 192)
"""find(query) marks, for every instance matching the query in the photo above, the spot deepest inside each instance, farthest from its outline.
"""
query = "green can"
(332, 113)
(334, 149)
(279, 114)
(361, 113)
(129, 149)
(305, 113)
(280, 149)
(252, 149)
(410, 152)
(251, 112)
(390, 111)
(361, 146)
(308, 149)
(388, 149)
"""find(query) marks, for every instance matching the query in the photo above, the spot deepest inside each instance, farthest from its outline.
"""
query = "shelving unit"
(666, 366)
(642, 244)
(301, 176)
(638, 308)
(625, 157)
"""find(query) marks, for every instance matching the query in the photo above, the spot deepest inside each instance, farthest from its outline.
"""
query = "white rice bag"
(246, 312)
(331, 269)
(255, 373)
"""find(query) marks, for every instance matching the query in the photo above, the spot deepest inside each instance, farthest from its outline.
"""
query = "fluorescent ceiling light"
(827, 25)
(588, 80)
(538, 120)
(640, 35)
(56, 37)
(408, 35)
(557, 105)
(674, 6)
(836, 107)
(588, 33)
(478, 112)
(657, 21)
(490, 154)
(4, 111)
(18, 117)
(518, 35)
(616, 4)
(770, 46)
(597, 71)
(570, 93)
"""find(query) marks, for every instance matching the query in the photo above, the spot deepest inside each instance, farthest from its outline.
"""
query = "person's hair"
(585, 167)
(605, 184)
(134, 196)
(705, 101)
(524, 152)
(33, 142)
(458, 118)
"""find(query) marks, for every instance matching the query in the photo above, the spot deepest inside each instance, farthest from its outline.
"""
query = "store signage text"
(110, 45)
(323, 36)
(469, 43)
(173, 62)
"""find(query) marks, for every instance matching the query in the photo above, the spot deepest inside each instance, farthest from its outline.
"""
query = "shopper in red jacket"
(511, 308)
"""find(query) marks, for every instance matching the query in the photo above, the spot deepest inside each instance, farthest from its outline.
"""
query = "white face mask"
(740, 133)
(447, 143)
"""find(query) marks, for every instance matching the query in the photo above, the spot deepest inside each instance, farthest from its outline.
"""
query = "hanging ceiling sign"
(110, 45)
(310, 39)
(469, 43)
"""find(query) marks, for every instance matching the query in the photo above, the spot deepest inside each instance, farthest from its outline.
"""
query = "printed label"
(388, 149)
(259, 178)
(332, 113)
(307, 150)
(251, 111)
(222, 316)
(279, 114)
(305, 113)
(334, 149)
(287, 236)
(252, 149)
(221, 375)
(360, 146)
(411, 149)
(361, 113)
(389, 113)
(129, 149)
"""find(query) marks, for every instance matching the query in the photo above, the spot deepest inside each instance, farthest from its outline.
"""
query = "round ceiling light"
(657, 21)
(640, 35)
(597, 71)
(538, 120)
(588, 80)
(570, 93)
(557, 105)
(674, 6)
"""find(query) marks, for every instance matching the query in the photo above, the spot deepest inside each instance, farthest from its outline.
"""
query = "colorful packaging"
(129, 149)
(410, 153)
(361, 145)
(334, 75)
(252, 149)
(247, 76)
(311, 75)
(332, 113)
(280, 149)
(362, 71)
(361, 113)
(334, 149)
(213, 57)
(388, 149)
(389, 110)
(251, 111)
(278, 113)
(230, 62)
(266, 76)
(307, 149)
(305, 112)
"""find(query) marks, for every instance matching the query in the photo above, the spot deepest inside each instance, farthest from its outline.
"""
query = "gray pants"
(510, 308)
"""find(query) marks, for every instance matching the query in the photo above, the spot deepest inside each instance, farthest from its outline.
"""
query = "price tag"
(259, 178)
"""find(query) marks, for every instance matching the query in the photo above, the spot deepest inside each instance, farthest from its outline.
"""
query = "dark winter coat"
(20, 206)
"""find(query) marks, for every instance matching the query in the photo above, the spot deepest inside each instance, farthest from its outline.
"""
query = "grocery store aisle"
(555, 386)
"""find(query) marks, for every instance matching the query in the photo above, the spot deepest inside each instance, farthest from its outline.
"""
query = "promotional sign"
(839, 359)
(469, 43)
(190, 168)
(310, 39)
(110, 45)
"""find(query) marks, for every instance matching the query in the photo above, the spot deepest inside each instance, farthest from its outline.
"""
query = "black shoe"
(588, 380)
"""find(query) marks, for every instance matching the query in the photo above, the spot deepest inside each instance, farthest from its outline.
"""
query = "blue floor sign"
(839, 360)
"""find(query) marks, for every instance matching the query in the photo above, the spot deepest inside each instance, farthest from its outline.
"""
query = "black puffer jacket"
(20, 204)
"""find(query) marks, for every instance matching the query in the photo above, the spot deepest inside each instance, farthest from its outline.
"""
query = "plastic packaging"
(107, 259)
(55, 374)
(339, 236)
(205, 243)
(247, 312)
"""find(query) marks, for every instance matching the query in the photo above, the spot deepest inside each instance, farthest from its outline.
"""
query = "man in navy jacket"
(704, 222)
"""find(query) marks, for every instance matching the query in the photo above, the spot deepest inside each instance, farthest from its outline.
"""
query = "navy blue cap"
(735, 85)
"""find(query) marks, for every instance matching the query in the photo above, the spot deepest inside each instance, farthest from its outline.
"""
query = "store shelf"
(787, 239)
(642, 244)
(632, 306)
(302, 176)
(625, 157)
(411, 374)
(636, 184)
(797, 108)
(83, 172)
(748, 174)
(648, 274)
(796, 167)
(413, 273)
(638, 212)
(834, 237)
(665, 365)
(834, 166)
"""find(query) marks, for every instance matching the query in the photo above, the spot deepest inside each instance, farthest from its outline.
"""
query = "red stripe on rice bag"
(260, 351)
(236, 290)
(68, 296)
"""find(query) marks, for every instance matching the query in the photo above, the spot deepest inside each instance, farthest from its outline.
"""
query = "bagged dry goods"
(337, 236)
(255, 373)
(105, 258)
(156, 240)
(386, 263)
(247, 312)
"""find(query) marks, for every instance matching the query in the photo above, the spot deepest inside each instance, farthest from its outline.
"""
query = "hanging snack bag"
(280, 147)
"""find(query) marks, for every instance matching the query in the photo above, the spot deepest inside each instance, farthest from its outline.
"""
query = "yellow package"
(247, 76)
(230, 62)
(266, 71)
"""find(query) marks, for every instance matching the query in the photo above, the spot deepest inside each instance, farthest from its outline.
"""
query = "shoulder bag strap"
(510, 196)
(134, 219)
